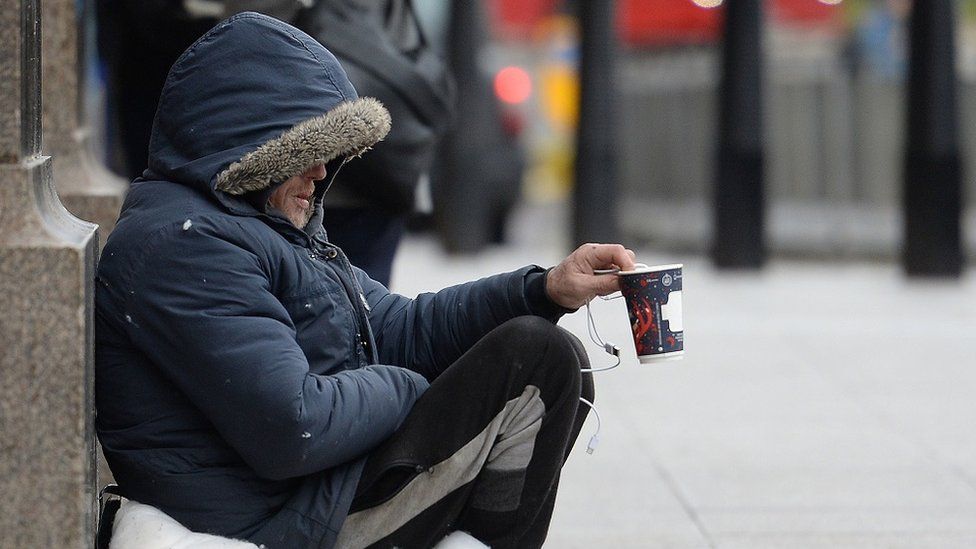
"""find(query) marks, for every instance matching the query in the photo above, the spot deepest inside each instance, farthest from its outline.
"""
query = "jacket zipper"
(355, 295)
(359, 302)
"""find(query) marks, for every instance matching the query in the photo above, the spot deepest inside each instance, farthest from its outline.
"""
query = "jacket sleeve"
(428, 333)
(203, 311)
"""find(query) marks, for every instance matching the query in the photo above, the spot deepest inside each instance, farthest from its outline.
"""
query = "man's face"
(294, 197)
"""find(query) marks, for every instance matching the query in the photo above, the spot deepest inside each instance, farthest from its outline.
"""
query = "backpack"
(385, 55)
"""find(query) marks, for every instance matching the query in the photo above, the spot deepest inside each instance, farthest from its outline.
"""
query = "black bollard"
(932, 198)
(594, 195)
(477, 177)
(738, 239)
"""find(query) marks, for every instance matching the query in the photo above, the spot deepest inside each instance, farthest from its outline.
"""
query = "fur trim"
(460, 540)
(140, 526)
(349, 129)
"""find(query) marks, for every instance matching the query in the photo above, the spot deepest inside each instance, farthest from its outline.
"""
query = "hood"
(253, 102)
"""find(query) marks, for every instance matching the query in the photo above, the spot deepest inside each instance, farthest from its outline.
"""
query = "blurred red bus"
(660, 22)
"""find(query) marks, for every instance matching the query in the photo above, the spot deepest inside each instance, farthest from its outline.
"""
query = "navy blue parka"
(243, 367)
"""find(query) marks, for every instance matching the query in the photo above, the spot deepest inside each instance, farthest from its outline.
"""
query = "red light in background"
(513, 85)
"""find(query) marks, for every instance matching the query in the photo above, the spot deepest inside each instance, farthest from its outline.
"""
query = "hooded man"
(251, 383)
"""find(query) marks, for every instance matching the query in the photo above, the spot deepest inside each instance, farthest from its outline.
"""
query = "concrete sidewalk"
(818, 406)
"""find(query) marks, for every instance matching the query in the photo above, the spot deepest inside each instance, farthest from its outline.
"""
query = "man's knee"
(561, 351)
(536, 333)
(529, 329)
(558, 348)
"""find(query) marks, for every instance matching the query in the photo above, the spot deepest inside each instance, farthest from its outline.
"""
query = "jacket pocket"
(375, 489)
(325, 327)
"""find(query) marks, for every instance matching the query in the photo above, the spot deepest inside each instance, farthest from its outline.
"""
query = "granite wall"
(47, 258)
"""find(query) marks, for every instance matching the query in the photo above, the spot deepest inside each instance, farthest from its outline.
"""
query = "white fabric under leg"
(140, 526)
(460, 540)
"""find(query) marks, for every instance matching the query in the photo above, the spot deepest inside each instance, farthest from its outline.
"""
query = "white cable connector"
(611, 349)
(595, 439)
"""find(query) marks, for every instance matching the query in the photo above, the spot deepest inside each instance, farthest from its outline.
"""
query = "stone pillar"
(47, 258)
(87, 189)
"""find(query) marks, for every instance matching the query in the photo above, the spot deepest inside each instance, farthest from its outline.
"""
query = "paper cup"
(653, 296)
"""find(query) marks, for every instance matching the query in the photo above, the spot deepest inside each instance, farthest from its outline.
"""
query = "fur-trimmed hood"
(253, 102)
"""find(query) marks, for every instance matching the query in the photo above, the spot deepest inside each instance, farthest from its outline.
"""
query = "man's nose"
(315, 172)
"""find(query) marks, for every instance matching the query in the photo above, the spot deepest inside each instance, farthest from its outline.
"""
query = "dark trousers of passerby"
(482, 449)
(368, 236)
(138, 42)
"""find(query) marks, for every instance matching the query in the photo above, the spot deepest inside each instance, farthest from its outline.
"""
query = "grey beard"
(275, 212)
(308, 216)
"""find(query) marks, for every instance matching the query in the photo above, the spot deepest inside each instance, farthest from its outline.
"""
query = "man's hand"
(572, 284)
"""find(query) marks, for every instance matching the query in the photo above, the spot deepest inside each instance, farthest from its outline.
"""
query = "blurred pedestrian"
(386, 55)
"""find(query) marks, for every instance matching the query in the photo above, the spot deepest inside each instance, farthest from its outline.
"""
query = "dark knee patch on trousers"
(498, 490)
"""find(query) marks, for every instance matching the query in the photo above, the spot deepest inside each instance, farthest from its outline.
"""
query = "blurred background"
(833, 120)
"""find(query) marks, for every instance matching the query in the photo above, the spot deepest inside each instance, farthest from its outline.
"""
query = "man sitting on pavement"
(253, 384)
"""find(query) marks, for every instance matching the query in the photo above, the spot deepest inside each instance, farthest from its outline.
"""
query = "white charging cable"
(611, 349)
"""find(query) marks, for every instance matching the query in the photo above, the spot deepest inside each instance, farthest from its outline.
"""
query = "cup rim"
(644, 269)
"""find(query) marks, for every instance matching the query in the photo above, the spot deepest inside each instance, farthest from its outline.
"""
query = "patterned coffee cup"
(653, 296)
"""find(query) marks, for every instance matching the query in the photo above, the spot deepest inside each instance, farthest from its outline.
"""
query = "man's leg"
(482, 449)
(536, 533)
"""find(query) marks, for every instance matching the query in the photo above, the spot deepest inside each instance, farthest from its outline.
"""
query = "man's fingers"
(600, 256)
(573, 281)
(604, 285)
